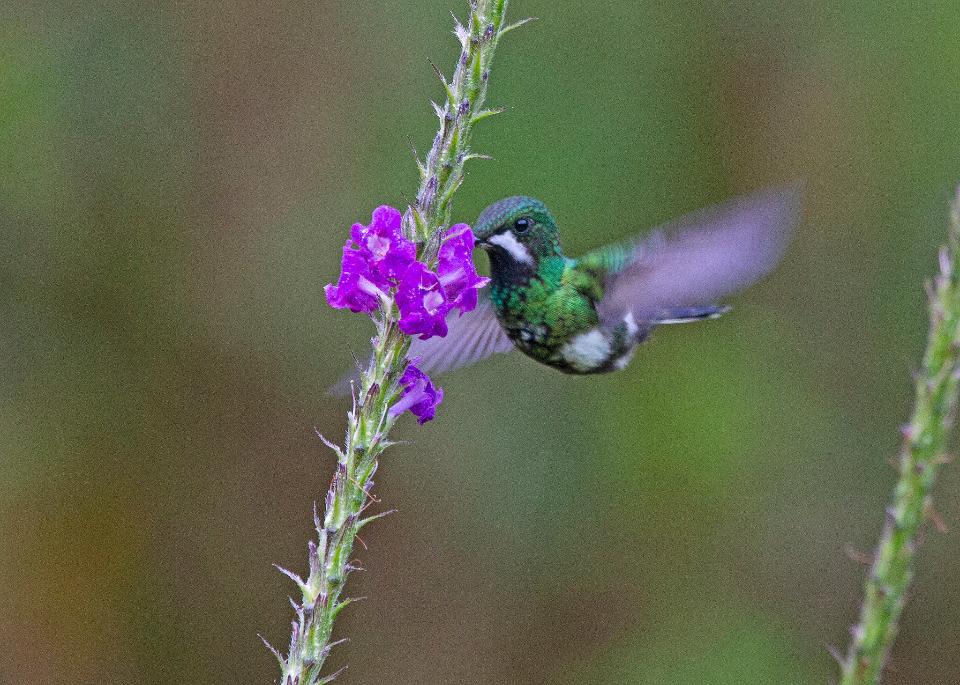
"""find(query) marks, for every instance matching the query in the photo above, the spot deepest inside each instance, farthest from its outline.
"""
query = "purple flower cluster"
(379, 262)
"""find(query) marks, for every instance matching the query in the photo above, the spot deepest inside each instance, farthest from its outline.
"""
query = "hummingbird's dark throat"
(506, 269)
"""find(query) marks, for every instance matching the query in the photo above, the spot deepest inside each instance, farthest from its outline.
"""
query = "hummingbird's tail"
(688, 314)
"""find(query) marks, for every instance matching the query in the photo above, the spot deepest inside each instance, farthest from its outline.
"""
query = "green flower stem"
(924, 446)
(442, 172)
(369, 421)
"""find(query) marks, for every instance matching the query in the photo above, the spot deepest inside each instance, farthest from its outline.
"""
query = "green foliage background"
(176, 180)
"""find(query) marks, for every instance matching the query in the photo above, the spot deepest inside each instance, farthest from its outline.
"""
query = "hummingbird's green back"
(607, 260)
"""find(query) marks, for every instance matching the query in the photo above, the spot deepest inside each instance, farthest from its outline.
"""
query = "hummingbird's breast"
(522, 313)
(558, 326)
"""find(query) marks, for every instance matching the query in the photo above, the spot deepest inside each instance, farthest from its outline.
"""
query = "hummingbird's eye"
(521, 225)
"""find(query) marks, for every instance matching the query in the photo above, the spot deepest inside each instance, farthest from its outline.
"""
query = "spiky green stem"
(369, 421)
(441, 173)
(922, 454)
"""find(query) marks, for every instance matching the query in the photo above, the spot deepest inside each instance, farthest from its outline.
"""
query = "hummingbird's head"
(517, 229)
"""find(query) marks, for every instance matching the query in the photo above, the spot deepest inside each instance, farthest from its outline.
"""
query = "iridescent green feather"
(609, 259)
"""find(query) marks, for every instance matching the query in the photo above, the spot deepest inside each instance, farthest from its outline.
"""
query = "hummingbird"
(587, 315)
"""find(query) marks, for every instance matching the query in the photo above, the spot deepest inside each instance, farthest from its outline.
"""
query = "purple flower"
(373, 260)
(422, 302)
(384, 244)
(457, 274)
(419, 395)
(360, 287)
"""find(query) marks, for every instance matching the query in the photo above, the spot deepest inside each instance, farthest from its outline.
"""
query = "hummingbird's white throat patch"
(508, 242)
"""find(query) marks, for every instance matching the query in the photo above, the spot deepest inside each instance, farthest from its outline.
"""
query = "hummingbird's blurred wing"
(470, 338)
(697, 259)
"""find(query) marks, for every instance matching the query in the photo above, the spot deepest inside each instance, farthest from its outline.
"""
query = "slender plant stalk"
(369, 421)
(924, 446)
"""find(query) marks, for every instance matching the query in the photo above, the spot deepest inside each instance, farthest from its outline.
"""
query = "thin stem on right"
(922, 455)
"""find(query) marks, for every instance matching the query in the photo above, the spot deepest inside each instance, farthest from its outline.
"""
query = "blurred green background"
(176, 180)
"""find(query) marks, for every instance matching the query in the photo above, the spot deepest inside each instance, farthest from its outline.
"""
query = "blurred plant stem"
(923, 452)
(369, 421)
